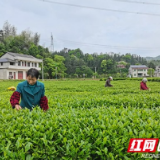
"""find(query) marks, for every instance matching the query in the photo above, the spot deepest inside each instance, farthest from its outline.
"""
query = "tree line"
(70, 63)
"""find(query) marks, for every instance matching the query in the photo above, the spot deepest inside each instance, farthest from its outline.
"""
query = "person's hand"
(17, 107)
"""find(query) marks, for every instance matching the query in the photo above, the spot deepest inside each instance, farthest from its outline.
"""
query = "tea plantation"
(85, 121)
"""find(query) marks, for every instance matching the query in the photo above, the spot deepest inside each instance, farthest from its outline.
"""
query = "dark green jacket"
(29, 99)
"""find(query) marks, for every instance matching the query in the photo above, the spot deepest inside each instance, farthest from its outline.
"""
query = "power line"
(103, 9)
(137, 2)
(110, 46)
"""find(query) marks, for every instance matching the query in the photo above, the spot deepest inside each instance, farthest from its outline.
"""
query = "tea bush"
(85, 121)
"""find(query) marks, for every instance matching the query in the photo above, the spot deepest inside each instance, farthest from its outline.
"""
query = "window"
(11, 63)
(32, 64)
(22, 64)
(140, 70)
(134, 69)
(28, 64)
(1, 63)
(134, 74)
(35, 64)
(19, 63)
(25, 64)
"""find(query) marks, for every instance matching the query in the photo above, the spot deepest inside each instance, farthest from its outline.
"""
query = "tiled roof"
(20, 55)
(6, 60)
(139, 66)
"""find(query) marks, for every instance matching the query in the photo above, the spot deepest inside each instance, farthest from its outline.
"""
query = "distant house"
(138, 70)
(15, 66)
(157, 71)
(121, 66)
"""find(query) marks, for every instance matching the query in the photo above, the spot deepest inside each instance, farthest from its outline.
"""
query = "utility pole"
(1, 35)
(95, 72)
(52, 45)
(56, 72)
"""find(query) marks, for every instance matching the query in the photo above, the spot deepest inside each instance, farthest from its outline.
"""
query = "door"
(10, 75)
(20, 74)
(139, 74)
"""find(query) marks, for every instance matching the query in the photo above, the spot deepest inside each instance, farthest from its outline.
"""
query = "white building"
(157, 71)
(138, 70)
(15, 66)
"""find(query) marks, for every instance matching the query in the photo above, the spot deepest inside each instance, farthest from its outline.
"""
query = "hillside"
(152, 58)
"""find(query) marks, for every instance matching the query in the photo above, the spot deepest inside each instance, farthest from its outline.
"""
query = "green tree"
(50, 67)
(33, 50)
(84, 70)
(118, 75)
(127, 57)
(104, 65)
(150, 72)
(36, 38)
(151, 65)
(60, 65)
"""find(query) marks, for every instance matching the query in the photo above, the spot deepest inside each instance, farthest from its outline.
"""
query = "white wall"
(5, 65)
(21, 59)
(24, 74)
(22, 68)
(3, 74)
(135, 72)
(16, 72)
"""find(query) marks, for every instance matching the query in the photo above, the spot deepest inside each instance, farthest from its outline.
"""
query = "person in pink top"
(143, 85)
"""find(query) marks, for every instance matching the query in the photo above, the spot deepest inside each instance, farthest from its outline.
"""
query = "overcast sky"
(119, 32)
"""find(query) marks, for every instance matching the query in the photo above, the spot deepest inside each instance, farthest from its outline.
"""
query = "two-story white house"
(157, 71)
(138, 70)
(15, 66)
